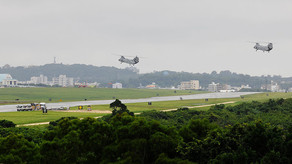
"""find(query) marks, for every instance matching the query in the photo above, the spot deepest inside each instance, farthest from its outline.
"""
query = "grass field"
(28, 117)
(37, 116)
(28, 95)
(163, 105)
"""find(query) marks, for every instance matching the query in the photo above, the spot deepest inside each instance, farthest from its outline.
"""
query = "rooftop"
(5, 76)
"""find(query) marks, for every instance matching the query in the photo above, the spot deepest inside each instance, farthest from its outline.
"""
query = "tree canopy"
(251, 132)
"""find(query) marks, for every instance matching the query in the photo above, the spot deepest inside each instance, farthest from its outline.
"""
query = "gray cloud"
(190, 35)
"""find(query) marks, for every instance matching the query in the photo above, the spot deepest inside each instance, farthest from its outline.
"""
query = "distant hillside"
(82, 72)
(170, 78)
(131, 79)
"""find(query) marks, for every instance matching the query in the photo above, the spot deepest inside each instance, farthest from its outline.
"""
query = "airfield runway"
(12, 108)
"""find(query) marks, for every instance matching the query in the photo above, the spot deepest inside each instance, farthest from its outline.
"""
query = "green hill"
(85, 73)
(131, 79)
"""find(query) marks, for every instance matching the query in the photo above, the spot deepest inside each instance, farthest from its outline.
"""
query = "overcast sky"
(177, 35)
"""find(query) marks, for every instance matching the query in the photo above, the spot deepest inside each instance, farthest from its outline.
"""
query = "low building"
(273, 86)
(266, 87)
(216, 87)
(224, 87)
(192, 84)
(213, 87)
(6, 80)
(151, 86)
(63, 81)
(39, 80)
(245, 87)
(117, 85)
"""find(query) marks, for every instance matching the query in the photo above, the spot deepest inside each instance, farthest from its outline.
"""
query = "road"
(12, 108)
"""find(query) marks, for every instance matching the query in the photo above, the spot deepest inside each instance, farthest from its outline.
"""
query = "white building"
(63, 81)
(217, 87)
(213, 87)
(39, 80)
(117, 85)
(192, 84)
(245, 87)
(6, 80)
(274, 87)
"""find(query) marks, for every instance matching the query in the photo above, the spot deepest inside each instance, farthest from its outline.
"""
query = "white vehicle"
(43, 105)
(24, 107)
(28, 107)
(19, 107)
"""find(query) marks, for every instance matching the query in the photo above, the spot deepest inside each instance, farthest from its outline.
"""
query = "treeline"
(80, 72)
(131, 79)
(252, 132)
(170, 78)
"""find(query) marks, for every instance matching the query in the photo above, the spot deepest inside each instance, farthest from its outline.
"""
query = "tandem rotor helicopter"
(132, 62)
(263, 48)
(129, 61)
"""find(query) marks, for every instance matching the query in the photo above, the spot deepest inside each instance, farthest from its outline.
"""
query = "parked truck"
(31, 107)
(24, 107)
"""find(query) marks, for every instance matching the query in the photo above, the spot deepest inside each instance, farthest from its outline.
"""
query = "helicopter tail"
(270, 46)
(136, 60)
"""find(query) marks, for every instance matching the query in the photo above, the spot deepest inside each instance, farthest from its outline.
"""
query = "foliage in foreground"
(237, 134)
(6, 124)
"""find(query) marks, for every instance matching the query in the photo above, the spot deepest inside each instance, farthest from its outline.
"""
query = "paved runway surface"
(12, 108)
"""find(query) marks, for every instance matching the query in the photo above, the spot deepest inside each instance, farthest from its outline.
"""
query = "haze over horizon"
(190, 36)
(164, 71)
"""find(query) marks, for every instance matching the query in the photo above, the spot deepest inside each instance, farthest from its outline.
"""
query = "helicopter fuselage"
(267, 48)
(129, 61)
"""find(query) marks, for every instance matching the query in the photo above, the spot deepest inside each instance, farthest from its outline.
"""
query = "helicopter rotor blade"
(115, 54)
(141, 57)
(261, 42)
(267, 42)
(122, 55)
(128, 55)
(252, 42)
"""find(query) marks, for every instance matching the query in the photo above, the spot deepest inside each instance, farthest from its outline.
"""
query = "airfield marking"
(83, 111)
(201, 106)
(167, 110)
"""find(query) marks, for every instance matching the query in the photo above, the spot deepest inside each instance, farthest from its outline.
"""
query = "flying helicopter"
(131, 62)
(263, 48)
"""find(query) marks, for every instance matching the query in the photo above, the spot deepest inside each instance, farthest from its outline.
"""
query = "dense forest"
(254, 132)
(131, 79)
